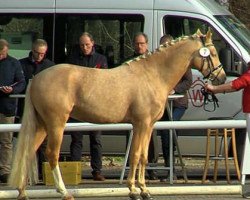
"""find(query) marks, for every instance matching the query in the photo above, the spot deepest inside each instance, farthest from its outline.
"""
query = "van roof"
(25, 4)
(193, 6)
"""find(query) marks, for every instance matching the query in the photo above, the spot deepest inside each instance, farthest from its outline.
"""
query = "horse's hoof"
(23, 198)
(134, 197)
(146, 196)
(68, 197)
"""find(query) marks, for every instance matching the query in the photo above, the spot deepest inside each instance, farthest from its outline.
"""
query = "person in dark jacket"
(11, 82)
(32, 65)
(36, 61)
(88, 57)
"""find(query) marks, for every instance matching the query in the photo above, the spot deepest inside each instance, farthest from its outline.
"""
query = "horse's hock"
(219, 153)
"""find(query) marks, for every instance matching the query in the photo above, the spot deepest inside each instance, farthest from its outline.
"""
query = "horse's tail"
(24, 164)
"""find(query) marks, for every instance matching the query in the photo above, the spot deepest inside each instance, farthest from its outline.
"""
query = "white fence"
(158, 125)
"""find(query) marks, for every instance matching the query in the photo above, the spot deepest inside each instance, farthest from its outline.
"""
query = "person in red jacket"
(242, 82)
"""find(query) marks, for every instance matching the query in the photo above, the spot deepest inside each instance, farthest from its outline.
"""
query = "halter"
(210, 62)
(209, 97)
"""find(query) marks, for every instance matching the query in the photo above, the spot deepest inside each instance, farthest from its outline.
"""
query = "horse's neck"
(171, 64)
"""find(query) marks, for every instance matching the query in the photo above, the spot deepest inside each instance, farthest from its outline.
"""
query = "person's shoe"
(246, 195)
(4, 178)
(152, 175)
(167, 179)
(98, 177)
(164, 180)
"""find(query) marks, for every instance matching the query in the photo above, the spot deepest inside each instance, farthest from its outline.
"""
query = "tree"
(240, 8)
(224, 3)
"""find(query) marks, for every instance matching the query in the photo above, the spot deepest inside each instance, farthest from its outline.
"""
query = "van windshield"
(237, 29)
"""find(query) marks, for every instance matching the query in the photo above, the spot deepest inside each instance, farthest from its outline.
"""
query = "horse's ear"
(209, 36)
(199, 33)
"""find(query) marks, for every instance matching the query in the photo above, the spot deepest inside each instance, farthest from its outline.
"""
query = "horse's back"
(83, 92)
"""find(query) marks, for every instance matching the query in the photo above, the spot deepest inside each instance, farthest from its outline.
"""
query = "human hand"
(6, 89)
(209, 87)
(172, 92)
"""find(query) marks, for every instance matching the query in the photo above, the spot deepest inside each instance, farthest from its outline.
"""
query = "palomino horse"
(136, 93)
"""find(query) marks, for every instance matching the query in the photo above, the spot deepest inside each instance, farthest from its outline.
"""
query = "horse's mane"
(162, 47)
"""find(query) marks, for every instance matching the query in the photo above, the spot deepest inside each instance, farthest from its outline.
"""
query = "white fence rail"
(158, 125)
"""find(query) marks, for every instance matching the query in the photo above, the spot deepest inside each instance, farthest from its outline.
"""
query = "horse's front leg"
(133, 163)
(143, 162)
(145, 194)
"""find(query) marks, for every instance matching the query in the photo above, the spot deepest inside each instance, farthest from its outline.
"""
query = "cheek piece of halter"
(210, 76)
(208, 96)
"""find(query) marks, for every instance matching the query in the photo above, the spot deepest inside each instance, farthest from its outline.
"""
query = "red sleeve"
(241, 82)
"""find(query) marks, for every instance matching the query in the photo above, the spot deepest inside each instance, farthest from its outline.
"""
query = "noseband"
(211, 68)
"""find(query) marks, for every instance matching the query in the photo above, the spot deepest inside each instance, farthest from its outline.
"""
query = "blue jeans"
(178, 112)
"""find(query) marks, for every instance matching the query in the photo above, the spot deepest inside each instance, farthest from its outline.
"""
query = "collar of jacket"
(91, 54)
(32, 60)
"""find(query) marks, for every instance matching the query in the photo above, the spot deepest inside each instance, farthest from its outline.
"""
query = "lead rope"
(208, 98)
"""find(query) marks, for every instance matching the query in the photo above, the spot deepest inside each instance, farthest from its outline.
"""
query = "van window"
(21, 29)
(113, 34)
(237, 29)
(178, 26)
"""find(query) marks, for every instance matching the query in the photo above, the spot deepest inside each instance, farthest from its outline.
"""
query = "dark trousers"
(153, 148)
(178, 112)
(41, 156)
(95, 148)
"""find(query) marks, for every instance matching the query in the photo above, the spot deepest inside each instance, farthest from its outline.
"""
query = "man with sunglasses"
(31, 65)
(36, 61)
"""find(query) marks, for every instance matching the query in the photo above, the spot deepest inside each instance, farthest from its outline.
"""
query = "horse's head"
(206, 60)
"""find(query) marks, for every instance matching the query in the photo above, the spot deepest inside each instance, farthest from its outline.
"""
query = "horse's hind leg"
(55, 136)
(22, 195)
